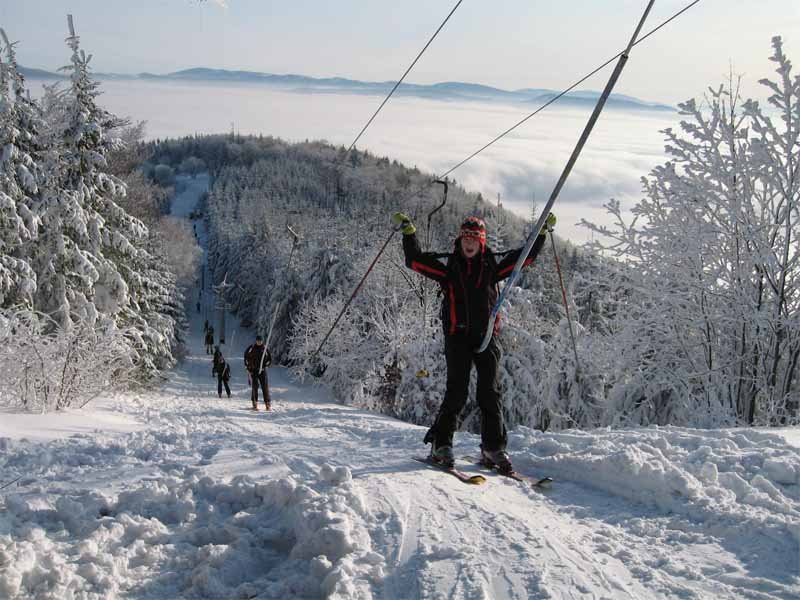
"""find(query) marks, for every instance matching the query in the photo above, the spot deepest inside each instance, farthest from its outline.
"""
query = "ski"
(537, 482)
(460, 475)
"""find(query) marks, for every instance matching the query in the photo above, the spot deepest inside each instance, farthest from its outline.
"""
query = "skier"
(468, 281)
(256, 360)
(209, 339)
(222, 370)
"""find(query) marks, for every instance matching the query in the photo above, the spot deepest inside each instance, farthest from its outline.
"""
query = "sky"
(511, 44)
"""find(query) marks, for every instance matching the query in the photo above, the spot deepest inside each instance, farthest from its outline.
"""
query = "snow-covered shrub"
(46, 368)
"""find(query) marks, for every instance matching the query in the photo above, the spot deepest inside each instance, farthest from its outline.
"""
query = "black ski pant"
(257, 379)
(460, 356)
(220, 382)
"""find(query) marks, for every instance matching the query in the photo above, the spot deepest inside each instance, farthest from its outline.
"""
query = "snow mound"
(193, 537)
(738, 486)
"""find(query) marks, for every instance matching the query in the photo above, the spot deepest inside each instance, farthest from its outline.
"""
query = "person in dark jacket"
(209, 339)
(222, 370)
(256, 360)
(468, 279)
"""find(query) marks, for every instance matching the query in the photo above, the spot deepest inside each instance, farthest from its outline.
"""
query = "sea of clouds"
(434, 135)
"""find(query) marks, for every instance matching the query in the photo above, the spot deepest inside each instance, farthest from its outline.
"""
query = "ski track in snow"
(185, 495)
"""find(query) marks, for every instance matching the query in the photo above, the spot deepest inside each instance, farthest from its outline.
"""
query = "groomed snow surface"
(179, 494)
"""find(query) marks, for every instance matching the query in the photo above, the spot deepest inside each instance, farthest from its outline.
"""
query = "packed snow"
(176, 493)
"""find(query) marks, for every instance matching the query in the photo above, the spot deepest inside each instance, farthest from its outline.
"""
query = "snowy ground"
(178, 494)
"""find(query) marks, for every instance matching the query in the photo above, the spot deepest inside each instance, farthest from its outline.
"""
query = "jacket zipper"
(466, 300)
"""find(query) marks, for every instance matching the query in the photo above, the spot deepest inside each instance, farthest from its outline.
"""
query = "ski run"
(175, 493)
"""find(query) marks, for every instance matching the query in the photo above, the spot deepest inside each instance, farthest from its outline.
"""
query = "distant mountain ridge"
(447, 91)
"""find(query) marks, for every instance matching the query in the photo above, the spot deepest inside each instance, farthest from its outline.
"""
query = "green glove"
(551, 221)
(404, 220)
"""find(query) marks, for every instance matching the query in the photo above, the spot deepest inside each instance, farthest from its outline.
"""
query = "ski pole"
(562, 180)
(566, 304)
(355, 291)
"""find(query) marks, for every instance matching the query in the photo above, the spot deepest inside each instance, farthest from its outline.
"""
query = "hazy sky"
(504, 43)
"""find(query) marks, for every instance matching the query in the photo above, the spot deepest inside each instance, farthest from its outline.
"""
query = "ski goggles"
(473, 227)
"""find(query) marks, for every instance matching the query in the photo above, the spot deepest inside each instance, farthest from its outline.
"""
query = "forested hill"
(341, 206)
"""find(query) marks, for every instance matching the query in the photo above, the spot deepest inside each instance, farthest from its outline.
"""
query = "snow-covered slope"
(180, 494)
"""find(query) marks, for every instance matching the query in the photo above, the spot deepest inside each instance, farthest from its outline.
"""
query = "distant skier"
(209, 339)
(468, 279)
(256, 360)
(222, 370)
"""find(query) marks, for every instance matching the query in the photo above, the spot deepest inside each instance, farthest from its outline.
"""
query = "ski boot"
(443, 455)
(497, 459)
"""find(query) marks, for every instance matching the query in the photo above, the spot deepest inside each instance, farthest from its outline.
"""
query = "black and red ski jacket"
(469, 286)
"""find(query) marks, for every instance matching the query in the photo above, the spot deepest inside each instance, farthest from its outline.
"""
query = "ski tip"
(464, 477)
(477, 480)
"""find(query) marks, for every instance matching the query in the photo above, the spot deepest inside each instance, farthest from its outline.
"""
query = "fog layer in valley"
(433, 135)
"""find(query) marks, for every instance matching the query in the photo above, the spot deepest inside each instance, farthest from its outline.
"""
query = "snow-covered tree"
(710, 332)
(20, 176)
(130, 287)
(45, 367)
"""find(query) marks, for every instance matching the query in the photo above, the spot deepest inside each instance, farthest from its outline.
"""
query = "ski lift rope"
(396, 85)
(548, 103)
(570, 88)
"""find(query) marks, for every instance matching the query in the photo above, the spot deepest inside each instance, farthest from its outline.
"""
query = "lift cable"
(408, 70)
(569, 89)
(548, 103)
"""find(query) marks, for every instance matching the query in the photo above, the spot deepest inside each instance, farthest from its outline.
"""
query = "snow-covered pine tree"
(94, 268)
(19, 183)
